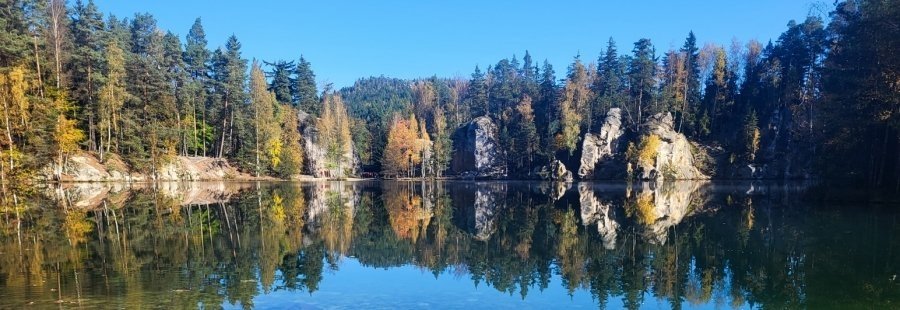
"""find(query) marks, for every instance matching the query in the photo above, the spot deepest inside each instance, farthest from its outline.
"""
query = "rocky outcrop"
(555, 171)
(674, 154)
(599, 150)
(317, 162)
(183, 168)
(84, 167)
(477, 151)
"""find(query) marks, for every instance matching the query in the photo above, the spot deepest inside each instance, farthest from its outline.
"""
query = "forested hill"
(823, 100)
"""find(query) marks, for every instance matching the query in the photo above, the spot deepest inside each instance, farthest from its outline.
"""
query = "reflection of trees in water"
(684, 243)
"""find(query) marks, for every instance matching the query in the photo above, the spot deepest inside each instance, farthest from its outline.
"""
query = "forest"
(821, 101)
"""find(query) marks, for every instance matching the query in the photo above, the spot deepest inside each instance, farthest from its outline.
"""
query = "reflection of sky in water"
(360, 287)
(354, 286)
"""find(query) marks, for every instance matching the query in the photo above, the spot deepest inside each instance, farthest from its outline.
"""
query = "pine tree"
(859, 114)
(229, 75)
(477, 97)
(85, 65)
(672, 83)
(547, 111)
(15, 42)
(642, 73)
(692, 85)
(526, 144)
(305, 91)
(196, 61)
(282, 82)
(610, 85)
(504, 88)
(718, 102)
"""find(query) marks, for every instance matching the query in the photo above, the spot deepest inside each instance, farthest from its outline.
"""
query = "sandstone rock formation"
(316, 159)
(477, 152)
(184, 168)
(556, 171)
(674, 154)
(598, 150)
(84, 167)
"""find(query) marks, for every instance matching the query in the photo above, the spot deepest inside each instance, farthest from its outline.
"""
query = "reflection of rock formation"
(93, 195)
(478, 206)
(594, 211)
(325, 197)
(330, 215)
(555, 190)
(661, 207)
(486, 209)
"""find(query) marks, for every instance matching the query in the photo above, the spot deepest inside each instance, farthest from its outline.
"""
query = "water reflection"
(683, 244)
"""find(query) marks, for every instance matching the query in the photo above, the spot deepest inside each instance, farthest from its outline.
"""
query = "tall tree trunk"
(92, 137)
(640, 103)
(194, 119)
(57, 13)
(8, 134)
(224, 129)
(37, 63)
(256, 137)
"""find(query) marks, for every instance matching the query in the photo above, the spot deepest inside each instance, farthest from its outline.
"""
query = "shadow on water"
(680, 244)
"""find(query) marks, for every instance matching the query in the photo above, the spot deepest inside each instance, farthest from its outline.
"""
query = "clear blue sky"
(346, 40)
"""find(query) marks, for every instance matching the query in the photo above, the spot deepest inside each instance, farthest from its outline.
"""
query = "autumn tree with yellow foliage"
(291, 162)
(268, 144)
(65, 135)
(334, 133)
(112, 98)
(404, 147)
(15, 118)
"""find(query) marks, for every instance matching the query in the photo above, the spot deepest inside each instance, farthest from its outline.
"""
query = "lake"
(498, 245)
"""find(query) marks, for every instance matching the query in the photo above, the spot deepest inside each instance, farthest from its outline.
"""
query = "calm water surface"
(498, 245)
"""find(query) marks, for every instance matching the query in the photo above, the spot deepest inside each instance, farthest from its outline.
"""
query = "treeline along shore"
(88, 97)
